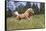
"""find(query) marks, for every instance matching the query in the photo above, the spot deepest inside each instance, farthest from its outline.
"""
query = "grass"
(38, 21)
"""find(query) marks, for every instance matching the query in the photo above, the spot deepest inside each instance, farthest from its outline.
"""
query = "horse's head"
(30, 10)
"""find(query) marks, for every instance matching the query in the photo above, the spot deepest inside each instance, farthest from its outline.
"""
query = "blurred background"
(22, 6)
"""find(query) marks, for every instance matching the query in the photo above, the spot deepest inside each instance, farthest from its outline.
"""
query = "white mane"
(31, 10)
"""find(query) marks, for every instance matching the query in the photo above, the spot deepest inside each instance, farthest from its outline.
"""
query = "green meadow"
(37, 22)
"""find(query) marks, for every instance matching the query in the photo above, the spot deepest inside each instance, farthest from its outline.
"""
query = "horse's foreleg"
(31, 18)
(27, 17)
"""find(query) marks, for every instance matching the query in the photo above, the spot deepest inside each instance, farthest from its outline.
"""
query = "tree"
(42, 8)
(35, 8)
(28, 4)
(8, 13)
(20, 8)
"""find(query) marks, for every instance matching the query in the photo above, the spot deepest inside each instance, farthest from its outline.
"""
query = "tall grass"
(37, 21)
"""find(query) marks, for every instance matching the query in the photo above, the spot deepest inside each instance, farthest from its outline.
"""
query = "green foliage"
(8, 14)
(22, 9)
(35, 8)
(42, 8)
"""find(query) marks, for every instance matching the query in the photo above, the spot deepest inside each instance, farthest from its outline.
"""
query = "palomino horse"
(26, 15)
